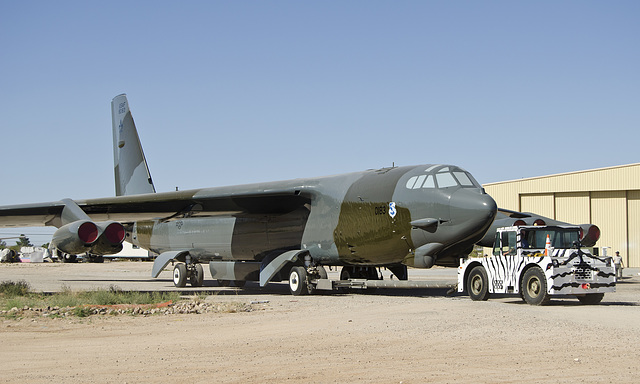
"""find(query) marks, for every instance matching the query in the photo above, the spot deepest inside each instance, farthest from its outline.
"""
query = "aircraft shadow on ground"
(211, 287)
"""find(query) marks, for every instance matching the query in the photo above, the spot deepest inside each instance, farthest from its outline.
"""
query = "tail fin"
(131, 169)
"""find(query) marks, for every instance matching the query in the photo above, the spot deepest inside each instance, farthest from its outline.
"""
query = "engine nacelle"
(110, 240)
(75, 238)
(84, 236)
(590, 234)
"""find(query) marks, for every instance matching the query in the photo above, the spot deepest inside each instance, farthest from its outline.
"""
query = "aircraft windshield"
(560, 238)
(445, 177)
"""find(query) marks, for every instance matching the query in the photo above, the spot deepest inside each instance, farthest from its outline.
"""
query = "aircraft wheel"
(322, 272)
(197, 276)
(591, 298)
(180, 275)
(298, 281)
(346, 273)
(67, 258)
(95, 259)
(478, 284)
(534, 287)
(372, 273)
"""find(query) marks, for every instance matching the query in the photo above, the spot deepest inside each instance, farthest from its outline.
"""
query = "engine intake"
(110, 240)
(82, 236)
(76, 237)
(590, 234)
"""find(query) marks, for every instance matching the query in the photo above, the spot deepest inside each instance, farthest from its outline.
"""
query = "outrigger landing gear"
(300, 279)
(65, 257)
(188, 271)
(180, 275)
(298, 282)
(94, 258)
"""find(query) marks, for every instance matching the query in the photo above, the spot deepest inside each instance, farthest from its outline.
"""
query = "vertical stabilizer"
(131, 169)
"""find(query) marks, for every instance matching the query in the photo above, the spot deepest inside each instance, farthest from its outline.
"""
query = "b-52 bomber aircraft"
(416, 216)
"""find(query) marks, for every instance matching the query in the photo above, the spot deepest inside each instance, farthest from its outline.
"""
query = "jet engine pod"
(425, 256)
(110, 239)
(590, 234)
(75, 238)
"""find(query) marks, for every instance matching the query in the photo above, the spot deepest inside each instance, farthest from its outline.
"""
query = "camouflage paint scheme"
(372, 218)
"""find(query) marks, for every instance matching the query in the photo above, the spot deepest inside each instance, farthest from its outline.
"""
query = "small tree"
(23, 241)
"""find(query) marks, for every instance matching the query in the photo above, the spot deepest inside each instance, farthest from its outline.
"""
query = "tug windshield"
(562, 238)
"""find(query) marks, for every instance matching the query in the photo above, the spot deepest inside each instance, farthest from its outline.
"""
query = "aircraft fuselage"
(362, 218)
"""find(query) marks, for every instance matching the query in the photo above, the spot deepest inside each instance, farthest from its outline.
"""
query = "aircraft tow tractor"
(538, 262)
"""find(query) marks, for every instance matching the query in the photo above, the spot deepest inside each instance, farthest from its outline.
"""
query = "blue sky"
(237, 92)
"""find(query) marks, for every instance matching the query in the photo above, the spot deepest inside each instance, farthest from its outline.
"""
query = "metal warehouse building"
(606, 197)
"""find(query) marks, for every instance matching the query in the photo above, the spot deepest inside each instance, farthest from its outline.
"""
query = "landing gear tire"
(346, 273)
(95, 259)
(180, 275)
(197, 276)
(591, 298)
(322, 272)
(67, 258)
(298, 284)
(534, 287)
(478, 284)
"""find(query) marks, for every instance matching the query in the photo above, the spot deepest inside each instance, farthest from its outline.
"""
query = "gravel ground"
(381, 336)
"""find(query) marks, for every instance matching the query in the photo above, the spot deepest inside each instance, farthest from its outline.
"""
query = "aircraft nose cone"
(472, 211)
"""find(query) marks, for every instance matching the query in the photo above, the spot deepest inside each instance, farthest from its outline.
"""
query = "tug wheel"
(478, 284)
(534, 287)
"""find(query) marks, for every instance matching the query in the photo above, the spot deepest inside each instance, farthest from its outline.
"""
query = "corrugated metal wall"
(573, 207)
(608, 198)
(633, 209)
(609, 212)
(541, 203)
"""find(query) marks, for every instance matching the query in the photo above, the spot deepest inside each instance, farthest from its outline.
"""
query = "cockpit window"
(429, 183)
(445, 180)
(463, 179)
(446, 177)
(419, 182)
(431, 168)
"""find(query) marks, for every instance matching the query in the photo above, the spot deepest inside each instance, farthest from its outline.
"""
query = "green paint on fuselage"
(367, 234)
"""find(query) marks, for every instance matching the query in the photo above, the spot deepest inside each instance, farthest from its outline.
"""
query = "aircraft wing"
(513, 214)
(252, 199)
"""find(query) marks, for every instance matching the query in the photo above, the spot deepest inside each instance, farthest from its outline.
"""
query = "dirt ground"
(384, 336)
